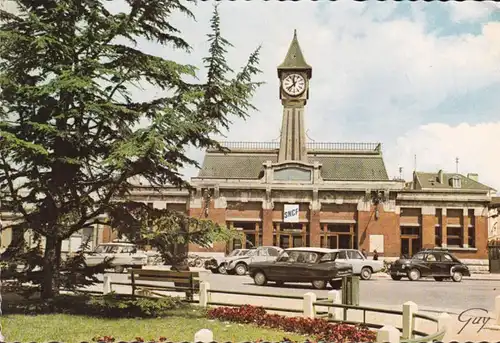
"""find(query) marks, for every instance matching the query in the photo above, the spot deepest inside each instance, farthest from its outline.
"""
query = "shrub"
(114, 305)
(110, 305)
(321, 329)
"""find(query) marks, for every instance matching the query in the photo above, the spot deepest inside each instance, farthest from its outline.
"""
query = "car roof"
(128, 244)
(317, 250)
(337, 250)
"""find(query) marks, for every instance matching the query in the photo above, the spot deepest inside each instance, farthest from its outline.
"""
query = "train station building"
(296, 193)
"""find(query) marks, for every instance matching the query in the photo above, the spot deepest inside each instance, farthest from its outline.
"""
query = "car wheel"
(396, 277)
(366, 273)
(279, 283)
(198, 263)
(414, 274)
(260, 279)
(241, 269)
(222, 269)
(119, 269)
(456, 276)
(438, 278)
(319, 284)
(336, 284)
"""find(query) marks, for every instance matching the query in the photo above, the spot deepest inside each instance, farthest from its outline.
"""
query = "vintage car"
(217, 265)
(436, 263)
(315, 265)
(360, 265)
(125, 255)
(239, 264)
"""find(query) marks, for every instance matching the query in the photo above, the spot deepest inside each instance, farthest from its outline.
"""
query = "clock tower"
(294, 74)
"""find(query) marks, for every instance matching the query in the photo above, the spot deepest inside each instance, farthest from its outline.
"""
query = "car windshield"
(250, 252)
(298, 256)
(107, 249)
(418, 256)
(235, 253)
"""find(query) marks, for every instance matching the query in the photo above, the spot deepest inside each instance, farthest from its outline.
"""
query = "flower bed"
(321, 329)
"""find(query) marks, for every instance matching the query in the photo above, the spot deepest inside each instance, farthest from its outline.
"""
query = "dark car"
(313, 265)
(439, 264)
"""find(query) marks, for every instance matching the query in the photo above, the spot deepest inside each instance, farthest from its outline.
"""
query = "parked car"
(439, 264)
(315, 265)
(360, 265)
(126, 255)
(239, 264)
(217, 265)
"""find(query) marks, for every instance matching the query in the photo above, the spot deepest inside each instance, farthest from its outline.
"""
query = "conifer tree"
(71, 139)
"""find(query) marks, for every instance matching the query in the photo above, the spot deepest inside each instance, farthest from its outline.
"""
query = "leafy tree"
(69, 125)
(166, 229)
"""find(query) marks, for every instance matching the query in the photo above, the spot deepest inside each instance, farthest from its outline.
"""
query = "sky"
(422, 78)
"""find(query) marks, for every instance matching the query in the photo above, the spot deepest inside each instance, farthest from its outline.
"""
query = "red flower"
(321, 329)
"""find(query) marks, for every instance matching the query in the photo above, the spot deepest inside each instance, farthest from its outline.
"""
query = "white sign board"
(291, 213)
(377, 243)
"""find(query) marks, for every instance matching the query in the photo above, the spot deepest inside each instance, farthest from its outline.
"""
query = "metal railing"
(423, 336)
(417, 336)
(327, 146)
(260, 295)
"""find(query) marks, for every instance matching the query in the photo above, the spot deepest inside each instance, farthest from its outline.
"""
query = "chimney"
(440, 176)
(473, 176)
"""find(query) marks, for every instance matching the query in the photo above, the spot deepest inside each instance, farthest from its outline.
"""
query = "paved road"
(427, 294)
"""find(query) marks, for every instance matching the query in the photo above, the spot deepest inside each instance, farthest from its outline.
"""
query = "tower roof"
(294, 58)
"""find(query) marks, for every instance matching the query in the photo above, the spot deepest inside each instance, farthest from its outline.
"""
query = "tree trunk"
(51, 268)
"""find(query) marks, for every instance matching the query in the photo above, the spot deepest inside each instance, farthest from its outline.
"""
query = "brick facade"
(373, 221)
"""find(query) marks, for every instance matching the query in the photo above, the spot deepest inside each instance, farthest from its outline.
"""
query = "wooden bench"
(185, 281)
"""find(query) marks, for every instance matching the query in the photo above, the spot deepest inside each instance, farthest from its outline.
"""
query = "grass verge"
(180, 325)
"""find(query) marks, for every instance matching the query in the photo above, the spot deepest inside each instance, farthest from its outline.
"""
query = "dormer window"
(456, 182)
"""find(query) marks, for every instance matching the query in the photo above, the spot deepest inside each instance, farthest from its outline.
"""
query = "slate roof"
(425, 180)
(249, 165)
(294, 58)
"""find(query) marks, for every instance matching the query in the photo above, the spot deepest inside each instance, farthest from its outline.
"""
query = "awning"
(243, 219)
(337, 221)
(409, 224)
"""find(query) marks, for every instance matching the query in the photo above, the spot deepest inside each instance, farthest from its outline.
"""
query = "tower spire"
(294, 59)
(294, 74)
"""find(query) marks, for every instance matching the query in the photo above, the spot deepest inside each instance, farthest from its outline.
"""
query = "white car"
(218, 265)
(239, 264)
(125, 255)
(360, 265)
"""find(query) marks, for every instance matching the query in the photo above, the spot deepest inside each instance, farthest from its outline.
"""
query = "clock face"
(294, 84)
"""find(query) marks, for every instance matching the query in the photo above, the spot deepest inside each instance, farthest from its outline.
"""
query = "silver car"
(125, 255)
(218, 265)
(239, 264)
(360, 265)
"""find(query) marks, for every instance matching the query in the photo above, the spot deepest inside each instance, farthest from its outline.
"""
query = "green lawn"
(180, 326)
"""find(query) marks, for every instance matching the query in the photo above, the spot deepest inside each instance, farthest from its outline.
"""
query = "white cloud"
(437, 145)
(470, 10)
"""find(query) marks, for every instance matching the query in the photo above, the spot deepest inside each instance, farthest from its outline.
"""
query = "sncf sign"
(291, 213)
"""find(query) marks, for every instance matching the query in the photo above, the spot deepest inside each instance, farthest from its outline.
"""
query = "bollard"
(444, 323)
(497, 309)
(308, 305)
(388, 334)
(204, 336)
(204, 294)
(409, 308)
(106, 285)
(335, 298)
